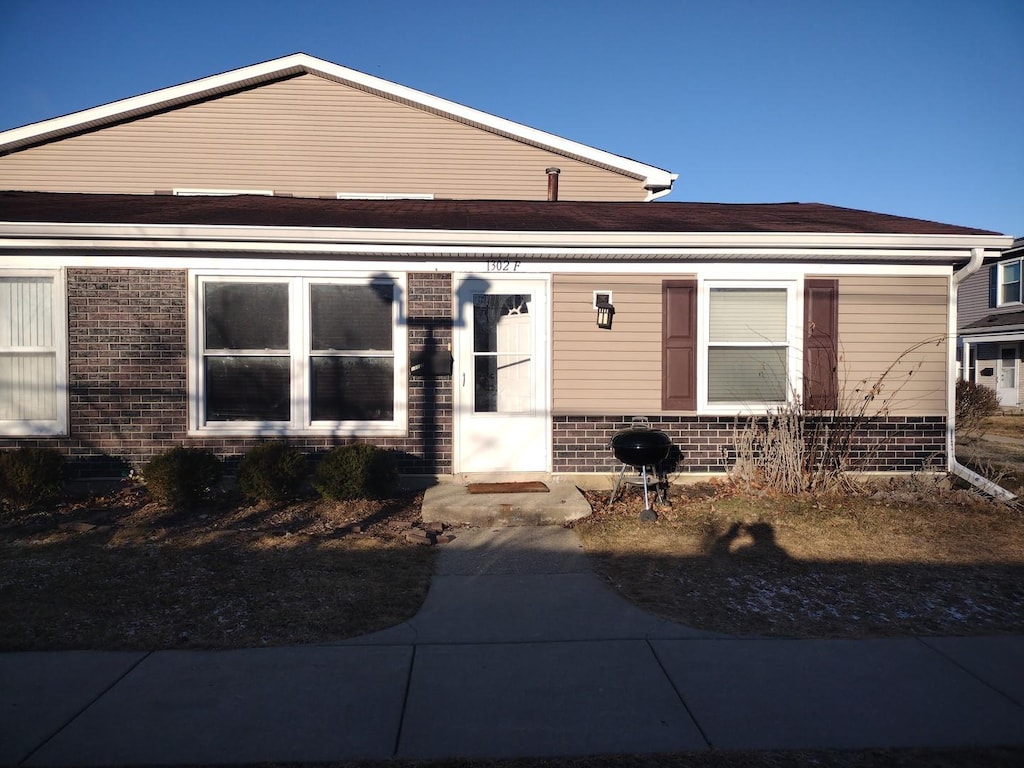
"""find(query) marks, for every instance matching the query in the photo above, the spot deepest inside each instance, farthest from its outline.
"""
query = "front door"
(1006, 378)
(501, 390)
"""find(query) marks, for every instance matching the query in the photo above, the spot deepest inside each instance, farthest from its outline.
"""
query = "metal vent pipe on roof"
(552, 183)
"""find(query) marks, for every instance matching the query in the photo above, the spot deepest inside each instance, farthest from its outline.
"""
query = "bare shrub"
(974, 404)
(792, 449)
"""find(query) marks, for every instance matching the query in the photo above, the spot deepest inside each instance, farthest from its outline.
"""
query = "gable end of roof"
(657, 180)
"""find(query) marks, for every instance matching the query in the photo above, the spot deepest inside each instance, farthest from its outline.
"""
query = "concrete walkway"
(519, 651)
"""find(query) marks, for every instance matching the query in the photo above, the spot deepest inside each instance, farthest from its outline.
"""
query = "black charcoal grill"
(643, 449)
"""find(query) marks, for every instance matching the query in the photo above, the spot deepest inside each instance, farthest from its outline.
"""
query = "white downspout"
(955, 467)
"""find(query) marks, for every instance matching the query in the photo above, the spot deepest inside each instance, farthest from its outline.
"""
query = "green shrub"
(974, 403)
(182, 475)
(272, 472)
(357, 471)
(31, 475)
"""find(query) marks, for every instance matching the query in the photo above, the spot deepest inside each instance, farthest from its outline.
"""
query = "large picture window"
(33, 365)
(298, 354)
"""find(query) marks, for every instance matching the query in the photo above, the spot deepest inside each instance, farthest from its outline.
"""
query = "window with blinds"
(748, 345)
(32, 365)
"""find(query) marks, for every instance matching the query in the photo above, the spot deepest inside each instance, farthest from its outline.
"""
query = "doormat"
(535, 486)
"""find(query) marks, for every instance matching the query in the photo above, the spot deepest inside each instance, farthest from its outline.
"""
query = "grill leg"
(618, 484)
(643, 473)
(648, 515)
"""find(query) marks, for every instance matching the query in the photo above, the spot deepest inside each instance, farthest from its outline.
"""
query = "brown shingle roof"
(488, 215)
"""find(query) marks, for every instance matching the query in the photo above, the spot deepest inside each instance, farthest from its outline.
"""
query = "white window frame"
(1001, 268)
(794, 344)
(299, 341)
(58, 426)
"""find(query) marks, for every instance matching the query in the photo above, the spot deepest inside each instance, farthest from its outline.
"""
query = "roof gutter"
(658, 188)
(945, 249)
(955, 467)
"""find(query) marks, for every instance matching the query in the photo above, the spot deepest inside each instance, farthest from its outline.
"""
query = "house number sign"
(503, 266)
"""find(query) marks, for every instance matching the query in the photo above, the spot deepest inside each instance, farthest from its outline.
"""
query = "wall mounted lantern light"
(604, 307)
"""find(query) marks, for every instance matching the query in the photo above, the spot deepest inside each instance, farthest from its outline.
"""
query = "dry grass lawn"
(991, 452)
(123, 572)
(907, 560)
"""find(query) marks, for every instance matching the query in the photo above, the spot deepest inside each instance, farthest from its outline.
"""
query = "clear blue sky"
(910, 107)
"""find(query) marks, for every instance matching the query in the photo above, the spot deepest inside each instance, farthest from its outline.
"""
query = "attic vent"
(385, 196)
(191, 191)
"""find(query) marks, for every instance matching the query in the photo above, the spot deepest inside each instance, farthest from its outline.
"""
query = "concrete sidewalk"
(519, 651)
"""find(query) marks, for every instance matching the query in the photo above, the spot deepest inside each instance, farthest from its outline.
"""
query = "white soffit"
(592, 246)
(301, 63)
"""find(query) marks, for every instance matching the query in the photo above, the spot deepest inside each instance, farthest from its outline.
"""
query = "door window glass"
(503, 365)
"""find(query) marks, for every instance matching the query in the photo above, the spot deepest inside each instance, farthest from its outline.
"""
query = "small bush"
(357, 471)
(271, 472)
(974, 404)
(182, 475)
(31, 475)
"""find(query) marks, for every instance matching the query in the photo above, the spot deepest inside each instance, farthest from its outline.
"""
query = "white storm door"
(501, 390)
(1006, 377)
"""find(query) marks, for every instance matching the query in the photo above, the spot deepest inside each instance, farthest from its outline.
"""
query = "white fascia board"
(657, 178)
(1012, 333)
(152, 101)
(948, 247)
(268, 263)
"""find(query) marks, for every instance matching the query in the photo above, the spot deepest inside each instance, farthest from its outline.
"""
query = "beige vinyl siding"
(881, 321)
(615, 371)
(899, 322)
(309, 137)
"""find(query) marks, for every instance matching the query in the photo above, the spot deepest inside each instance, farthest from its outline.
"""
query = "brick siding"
(704, 443)
(127, 376)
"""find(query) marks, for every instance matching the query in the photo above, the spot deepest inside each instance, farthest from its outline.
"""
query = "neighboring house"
(178, 268)
(990, 314)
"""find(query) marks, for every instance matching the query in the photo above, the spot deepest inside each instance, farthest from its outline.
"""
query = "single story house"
(991, 327)
(298, 250)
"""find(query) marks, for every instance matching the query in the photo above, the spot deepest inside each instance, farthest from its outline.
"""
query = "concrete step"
(451, 502)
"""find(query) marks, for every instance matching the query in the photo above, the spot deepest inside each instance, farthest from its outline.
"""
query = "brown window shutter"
(679, 345)
(821, 345)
